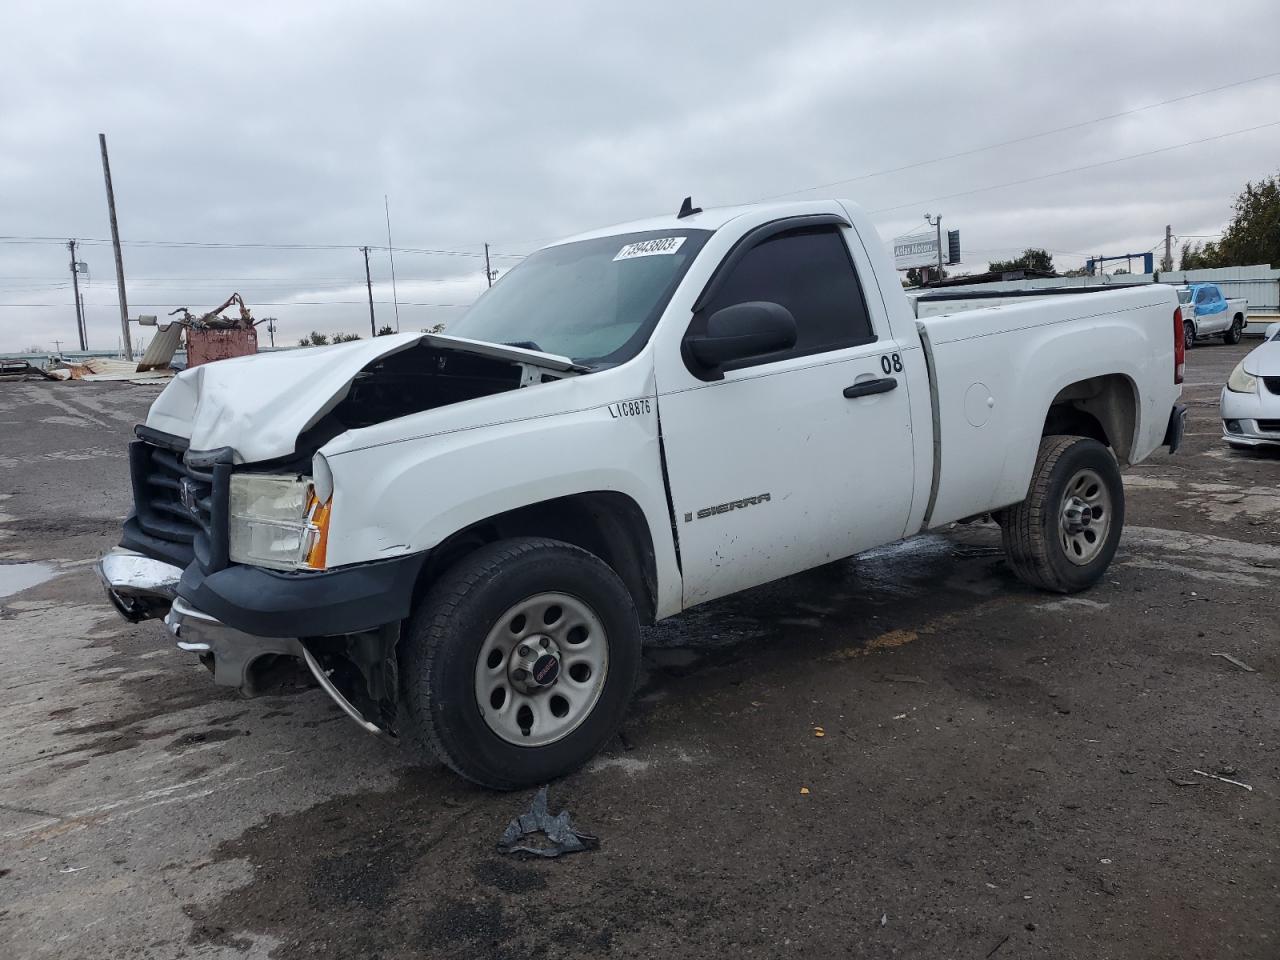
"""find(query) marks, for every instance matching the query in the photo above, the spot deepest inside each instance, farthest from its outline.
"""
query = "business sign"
(917, 250)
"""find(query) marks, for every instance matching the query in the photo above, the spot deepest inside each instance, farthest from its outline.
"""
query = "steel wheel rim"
(1188, 335)
(523, 698)
(1085, 517)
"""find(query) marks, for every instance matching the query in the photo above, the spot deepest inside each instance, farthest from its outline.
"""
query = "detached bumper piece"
(139, 587)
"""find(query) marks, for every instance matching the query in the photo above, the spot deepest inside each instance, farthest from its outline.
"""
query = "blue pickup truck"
(1207, 313)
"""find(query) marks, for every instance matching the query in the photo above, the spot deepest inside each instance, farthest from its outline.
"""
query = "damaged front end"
(226, 540)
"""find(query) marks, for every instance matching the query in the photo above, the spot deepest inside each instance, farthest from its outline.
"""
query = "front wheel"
(1233, 335)
(1188, 334)
(1063, 535)
(519, 664)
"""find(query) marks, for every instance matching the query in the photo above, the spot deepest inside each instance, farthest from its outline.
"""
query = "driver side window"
(808, 271)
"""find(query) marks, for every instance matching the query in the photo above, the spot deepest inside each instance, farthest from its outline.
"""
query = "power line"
(1087, 166)
(1023, 139)
(245, 245)
(279, 303)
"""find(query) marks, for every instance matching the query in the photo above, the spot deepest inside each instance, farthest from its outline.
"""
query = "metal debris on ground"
(1214, 776)
(22, 370)
(559, 830)
(1239, 663)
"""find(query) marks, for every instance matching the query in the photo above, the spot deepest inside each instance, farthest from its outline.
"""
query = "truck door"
(799, 457)
(1211, 311)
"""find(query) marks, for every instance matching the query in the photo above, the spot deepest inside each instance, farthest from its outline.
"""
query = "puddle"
(16, 577)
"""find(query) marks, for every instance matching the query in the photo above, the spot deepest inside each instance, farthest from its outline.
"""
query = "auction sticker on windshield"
(650, 248)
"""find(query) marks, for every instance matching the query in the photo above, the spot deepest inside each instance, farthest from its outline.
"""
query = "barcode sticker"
(650, 248)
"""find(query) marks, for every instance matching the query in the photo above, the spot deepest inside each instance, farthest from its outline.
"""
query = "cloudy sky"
(270, 132)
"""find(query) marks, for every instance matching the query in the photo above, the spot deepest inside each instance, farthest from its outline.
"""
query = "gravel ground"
(1002, 773)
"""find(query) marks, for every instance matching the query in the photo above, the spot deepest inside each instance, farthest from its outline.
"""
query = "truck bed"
(985, 363)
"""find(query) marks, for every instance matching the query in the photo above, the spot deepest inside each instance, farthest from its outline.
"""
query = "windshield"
(1184, 296)
(594, 301)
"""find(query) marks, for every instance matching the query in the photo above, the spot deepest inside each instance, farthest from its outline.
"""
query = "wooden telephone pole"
(75, 284)
(126, 346)
(368, 283)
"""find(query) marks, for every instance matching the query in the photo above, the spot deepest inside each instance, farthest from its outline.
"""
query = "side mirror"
(743, 330)
(1273, 331)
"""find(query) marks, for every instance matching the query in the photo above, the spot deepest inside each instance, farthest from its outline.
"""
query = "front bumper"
(1251, 419)
(142, 588)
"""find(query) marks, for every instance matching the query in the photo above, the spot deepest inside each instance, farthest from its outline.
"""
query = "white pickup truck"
(1207, 313)
(462, 535)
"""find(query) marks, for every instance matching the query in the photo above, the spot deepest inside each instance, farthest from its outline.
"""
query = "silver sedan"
(1251, 398)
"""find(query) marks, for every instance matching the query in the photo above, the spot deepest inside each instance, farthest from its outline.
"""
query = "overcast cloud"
(285, 123)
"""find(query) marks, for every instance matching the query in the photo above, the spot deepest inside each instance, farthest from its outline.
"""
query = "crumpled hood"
(1264, 361)
(258, 405)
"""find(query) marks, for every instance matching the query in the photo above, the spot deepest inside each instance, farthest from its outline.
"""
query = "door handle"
(868, 387)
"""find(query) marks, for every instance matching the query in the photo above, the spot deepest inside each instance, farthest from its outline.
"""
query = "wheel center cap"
(1076, 515)
(545, 670)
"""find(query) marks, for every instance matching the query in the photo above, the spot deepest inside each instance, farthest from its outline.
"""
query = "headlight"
(277, 522)
(1241, 382)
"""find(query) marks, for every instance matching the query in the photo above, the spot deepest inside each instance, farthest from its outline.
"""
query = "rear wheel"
(1236, 331)
(519, 663)
(1188, 334)
(1063, 535)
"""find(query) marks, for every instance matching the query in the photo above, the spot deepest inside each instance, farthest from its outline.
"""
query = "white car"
(1251, 398)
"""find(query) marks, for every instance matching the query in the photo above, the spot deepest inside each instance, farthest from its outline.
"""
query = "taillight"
(1179, 346)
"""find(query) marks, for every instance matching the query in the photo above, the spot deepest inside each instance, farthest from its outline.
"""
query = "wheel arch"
(608, 524)
(1104, 408)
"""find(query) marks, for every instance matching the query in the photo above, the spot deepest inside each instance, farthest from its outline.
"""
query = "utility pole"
(368, 283)
(75, 284)
(115, 241)
(1167, 263)
(395, 298)
(488, 271)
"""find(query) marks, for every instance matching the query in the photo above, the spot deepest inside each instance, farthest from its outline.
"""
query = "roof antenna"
(687, 209)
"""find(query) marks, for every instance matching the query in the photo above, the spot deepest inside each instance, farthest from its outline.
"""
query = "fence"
(1260, 284)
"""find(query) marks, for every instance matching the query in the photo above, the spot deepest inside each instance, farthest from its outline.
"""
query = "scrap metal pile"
(210, 336)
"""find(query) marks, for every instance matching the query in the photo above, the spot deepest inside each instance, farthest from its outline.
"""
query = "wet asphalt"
(908, 754)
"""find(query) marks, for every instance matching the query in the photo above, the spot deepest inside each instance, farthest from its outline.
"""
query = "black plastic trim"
(1014, 294)
(133, 537)
(868, 388)
(160, 438)
(272, 603)
(1177, 426)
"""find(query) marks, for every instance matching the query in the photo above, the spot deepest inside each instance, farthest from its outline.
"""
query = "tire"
(1233, 335)
(1048, 540)
(471, 613)
(1188, 334)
